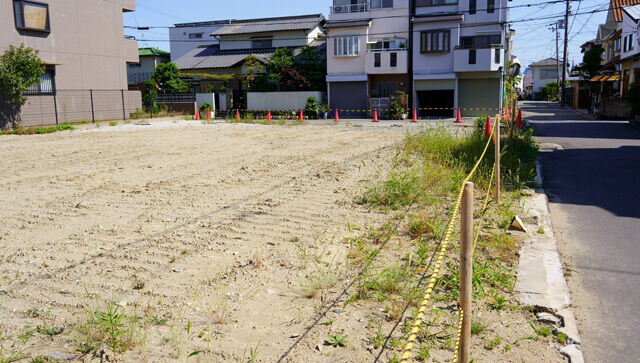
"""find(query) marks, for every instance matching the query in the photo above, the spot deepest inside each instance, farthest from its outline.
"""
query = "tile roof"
(152, 51)
(212, 57)
(544, 63)
(287, 23)
(617, 7)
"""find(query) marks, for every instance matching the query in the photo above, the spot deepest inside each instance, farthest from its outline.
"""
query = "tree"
(313, 67)
(166, 78)
(280, 60)
(20, 68)
(253, 69)
(591, 61)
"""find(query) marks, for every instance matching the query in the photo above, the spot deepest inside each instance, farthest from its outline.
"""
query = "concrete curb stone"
(541, 281)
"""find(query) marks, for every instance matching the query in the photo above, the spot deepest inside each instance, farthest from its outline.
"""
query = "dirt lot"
(209, 238)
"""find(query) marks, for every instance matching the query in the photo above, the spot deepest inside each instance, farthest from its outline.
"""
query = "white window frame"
(346, 46)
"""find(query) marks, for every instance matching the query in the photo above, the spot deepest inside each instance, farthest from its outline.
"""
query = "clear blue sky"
(534, 41)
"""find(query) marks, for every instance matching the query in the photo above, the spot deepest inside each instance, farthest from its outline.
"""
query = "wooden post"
(497, 157)
(466, 271)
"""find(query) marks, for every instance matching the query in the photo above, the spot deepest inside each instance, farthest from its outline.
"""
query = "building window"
(435, 2)
(625, 44)
(482, 41)
(548, 73)
(472, 56)
(195, 35)
(497, 56)
(346, 46)
(617, 44)
(472, 7)
(135, 65)
(381, 4)
(262, 43)
(631, 45)
(46, 85)
(377, 59)
(437, 41)
(491, 6)
(394, 59)
(31, 15)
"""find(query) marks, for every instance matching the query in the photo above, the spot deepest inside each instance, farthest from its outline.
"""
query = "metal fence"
(67, 106)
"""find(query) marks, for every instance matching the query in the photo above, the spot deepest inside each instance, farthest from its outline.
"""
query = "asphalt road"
(593, 182)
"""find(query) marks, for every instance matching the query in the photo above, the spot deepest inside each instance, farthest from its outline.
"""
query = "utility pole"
(557, 54)
(412, 13)
(564, 59)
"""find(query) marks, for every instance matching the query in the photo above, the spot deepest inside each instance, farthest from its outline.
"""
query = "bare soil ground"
(214, 240)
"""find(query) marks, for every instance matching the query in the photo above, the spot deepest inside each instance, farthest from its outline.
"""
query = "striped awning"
(613, 78)
(597, 78)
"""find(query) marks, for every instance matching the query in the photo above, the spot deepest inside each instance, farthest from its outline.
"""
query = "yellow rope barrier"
(434, 276)
(457, 346)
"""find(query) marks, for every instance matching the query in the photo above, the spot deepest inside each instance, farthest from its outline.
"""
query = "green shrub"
(633, 99)
(205, 106)
(311, 108)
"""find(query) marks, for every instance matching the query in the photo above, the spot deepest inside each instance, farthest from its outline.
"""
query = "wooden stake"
(497, 166)
(466, 271)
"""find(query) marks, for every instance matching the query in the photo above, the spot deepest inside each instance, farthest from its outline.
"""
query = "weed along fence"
(337, 114)
(464, 204)
(65, 106)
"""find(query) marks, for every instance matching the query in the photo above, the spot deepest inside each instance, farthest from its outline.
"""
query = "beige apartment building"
(83, 45)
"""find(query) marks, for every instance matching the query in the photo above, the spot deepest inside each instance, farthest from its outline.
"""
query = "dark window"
(195, 36)
(497, 56)
(394, 59)
(261, 43)
(483, 41)
(435, 2)
(437, 41)
(491, 6)
(376, 59)
(472, 7)
(31, 15)
(46, 85)
(472, 56)
(379, 4)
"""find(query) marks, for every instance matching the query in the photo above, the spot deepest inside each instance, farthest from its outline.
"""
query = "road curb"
(541, 281)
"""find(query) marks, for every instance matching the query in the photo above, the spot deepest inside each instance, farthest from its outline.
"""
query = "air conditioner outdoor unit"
(338, 9)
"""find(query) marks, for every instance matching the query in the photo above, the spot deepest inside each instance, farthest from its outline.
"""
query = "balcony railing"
(347, 9)
(386, 50)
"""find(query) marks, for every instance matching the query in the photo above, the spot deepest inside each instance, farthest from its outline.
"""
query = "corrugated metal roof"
(264, 25)
(152, 51)
(633, 11)
(617, 7)
(211, 57)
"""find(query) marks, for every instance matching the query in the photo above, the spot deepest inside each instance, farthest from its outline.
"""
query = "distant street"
(592, 179)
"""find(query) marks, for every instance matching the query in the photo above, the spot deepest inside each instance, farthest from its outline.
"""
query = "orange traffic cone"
(301, 118)
(519, 120)
(237, 114)
(375, 115)
(337, 116)
(459, 118)
(415, 116)
(488, 128)
(197, 115)
(269, 116)
(208, 114)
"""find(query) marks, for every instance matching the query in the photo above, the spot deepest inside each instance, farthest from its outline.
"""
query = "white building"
(459, 53)
(630, 39)
(367, 54)
(543, 72)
